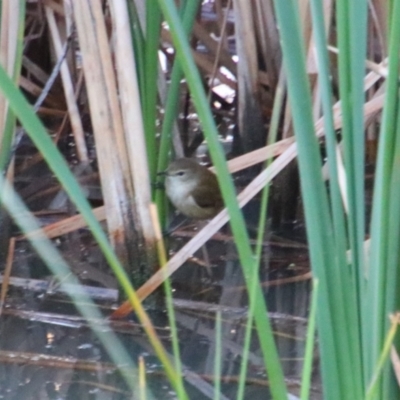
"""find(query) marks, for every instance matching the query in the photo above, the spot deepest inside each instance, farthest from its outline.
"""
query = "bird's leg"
(172, 228)
(207, 262)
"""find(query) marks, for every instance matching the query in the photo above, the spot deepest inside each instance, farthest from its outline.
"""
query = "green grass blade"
(319, 226)
(352, 44)
(272, 134)
(138, 47)
(358, 51)
(162, 258)
(309, 351)
(171, 105)
(46, 250)
(392, 295)
(20, 40)
(273, 367)
(56, 162)
(142, 379)
(346, 284)
(218, 356)
(374, 387)
(381, 217)
(351, 27)
(152, 42)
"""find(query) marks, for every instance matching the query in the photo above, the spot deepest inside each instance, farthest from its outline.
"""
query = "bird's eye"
(181, 173)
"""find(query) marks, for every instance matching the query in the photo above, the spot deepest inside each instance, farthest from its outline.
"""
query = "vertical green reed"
(317, 213)
(351, 18)
(383, 285)
(355, 299)
(272, 135)
(218, 356)
(345, 275)
(272, 364)
(152, 43)
(138, 47)
(309, 350)
(188, 13)
(382, 362)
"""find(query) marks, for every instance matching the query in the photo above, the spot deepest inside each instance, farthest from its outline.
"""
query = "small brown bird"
(193, 189)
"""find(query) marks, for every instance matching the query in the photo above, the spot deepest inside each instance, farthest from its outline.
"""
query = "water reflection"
(48, 352)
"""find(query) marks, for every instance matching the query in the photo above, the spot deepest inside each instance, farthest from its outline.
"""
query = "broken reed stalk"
(8, 48)
(7, 273)
(125, 227)
(11, 47)
(132, 119)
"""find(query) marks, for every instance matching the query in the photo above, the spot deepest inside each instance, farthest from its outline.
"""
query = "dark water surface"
(48, 352)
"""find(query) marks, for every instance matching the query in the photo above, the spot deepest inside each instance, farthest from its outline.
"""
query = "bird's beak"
(162, 173)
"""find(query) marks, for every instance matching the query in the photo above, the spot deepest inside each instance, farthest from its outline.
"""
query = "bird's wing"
(206, 197)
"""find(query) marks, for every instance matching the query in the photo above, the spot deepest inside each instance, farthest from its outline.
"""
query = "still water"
(48, 352)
